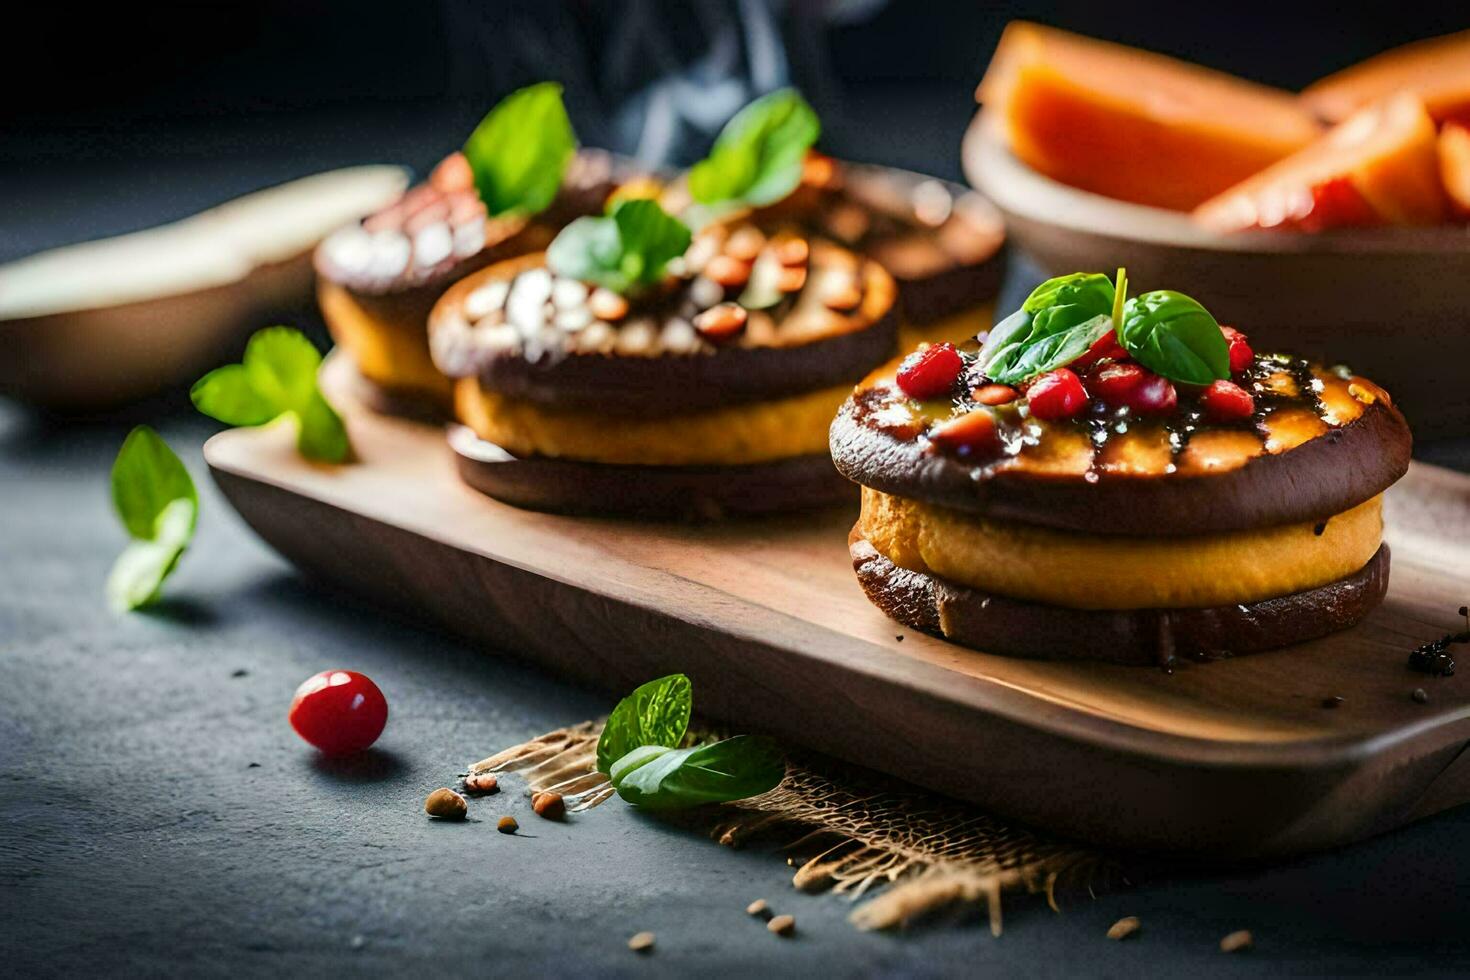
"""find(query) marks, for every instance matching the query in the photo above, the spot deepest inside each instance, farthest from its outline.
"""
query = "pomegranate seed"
(1114, 383)
(1241, 354)
(1106, 346)
(1153, 396)
(1056, 395)
(1226, 401)
(967, 434)
(931, 372)
(995, 394)
(339, 711)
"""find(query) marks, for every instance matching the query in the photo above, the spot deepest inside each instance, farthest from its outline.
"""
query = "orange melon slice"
(1437, 70)
(1380, 166)
(1454, 166)
(1131, 124)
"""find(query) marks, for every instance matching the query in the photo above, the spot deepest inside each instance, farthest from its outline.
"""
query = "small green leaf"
(1091, 290)
(281, 365)
(734, 769)
(226, 394)
(636, 758)
(520, 150)
(1173, 335)
(138, 574)
(277, 377)
(146, 478)
(757, 158)
(320, 433)
(657, 713)
(622, 251)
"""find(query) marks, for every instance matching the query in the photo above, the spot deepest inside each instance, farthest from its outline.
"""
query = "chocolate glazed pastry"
(378, 280)
(706, 394)
(1091, 508)
(1013, 627)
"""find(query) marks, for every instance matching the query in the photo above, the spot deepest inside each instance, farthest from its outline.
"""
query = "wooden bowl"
(1393, 303)
(92, 326)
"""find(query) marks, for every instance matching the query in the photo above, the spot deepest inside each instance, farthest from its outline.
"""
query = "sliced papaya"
(1454, 166)
(1436, 69)
(1380, 166)
(1132, 124)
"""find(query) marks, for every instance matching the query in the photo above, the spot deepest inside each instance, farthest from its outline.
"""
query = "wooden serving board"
(1236, 758)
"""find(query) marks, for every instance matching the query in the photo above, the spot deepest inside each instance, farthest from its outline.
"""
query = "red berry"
(339, 711)
(1057, 395)
(967, 434)
(1154, 395)
(1226, 401)
(1114, 383)
(995, 395)
(1241, 354)
(1105, 347)
(931, 372)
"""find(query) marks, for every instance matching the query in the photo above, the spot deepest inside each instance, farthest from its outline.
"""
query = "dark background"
(157, 816)
(174, 106)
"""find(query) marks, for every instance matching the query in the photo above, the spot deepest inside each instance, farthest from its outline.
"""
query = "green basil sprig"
(623, 251)
(1059, 321)
(1165, 331)
(277, 377)
(155, 498)
(757, 158)
(1173, 335)
(520, 151)
(639, 753)
(657, 713)
(659, 778)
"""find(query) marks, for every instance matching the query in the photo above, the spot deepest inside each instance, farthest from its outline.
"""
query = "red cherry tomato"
(1153, 395)
(1114, 383)
(1226, 401)
(1105, 347)
(1241, 354)
(339, 711)
(1056, 395)
(930, 373)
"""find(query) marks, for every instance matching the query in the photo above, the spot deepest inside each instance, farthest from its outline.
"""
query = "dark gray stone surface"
(158, 816)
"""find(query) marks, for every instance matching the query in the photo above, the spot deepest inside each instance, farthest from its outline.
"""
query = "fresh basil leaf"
(634, 759)
(624, 250)
(138, 574)
(320, 433)
(1091, 290)
(657, 713)
(521, 149)
(1173, 335)
(281, 366)
(227, 394)
(734, 769)
(757, 158)
(278, 376)
(1047, 353)
(146, 478)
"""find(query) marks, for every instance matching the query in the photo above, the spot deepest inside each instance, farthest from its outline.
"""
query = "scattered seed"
(446, 804)
(1236, 941)
(549, 805)
(782, 925)
(792, 251)
(721, 322)
(745, 243)
(481, 783)
(253, 765)
(1124, 928)
(728, 271)
(641, 942)
(1335, 701)
(240, 672)
(1420, 695)
(507, 825)
(607, 305)
(759, 908)
(898, 637)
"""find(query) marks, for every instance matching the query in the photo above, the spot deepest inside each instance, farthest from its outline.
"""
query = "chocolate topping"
(720, 331)
(1012, 627)
(1318, 445)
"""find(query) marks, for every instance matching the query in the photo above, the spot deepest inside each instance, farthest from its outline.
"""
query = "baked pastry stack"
(1119, 481)
(623, 373)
